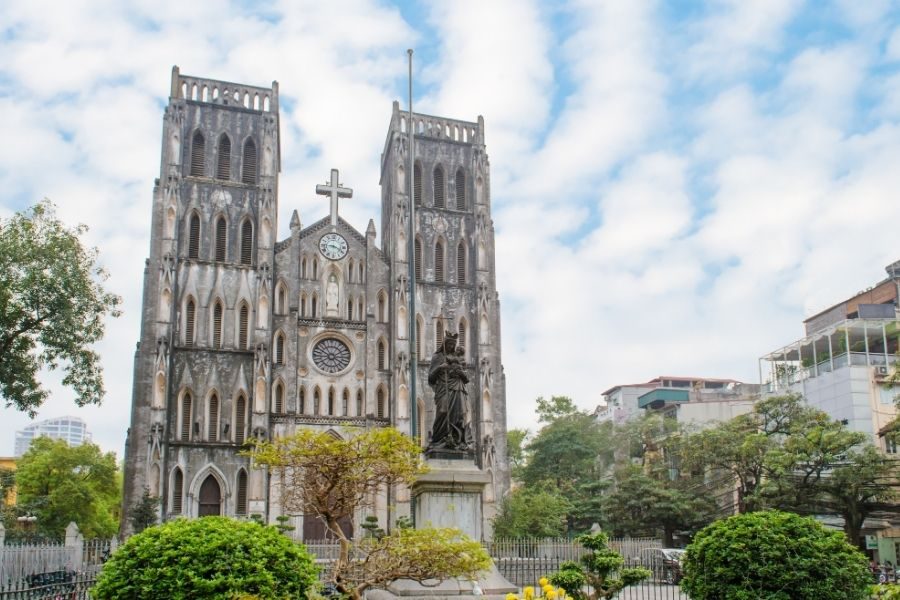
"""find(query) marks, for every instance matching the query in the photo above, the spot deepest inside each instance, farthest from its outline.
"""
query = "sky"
(675, 185)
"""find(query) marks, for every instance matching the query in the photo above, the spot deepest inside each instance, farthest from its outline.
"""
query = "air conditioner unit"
(882, 370)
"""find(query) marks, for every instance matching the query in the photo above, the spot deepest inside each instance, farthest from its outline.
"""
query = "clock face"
(333, 246)
(331, 355)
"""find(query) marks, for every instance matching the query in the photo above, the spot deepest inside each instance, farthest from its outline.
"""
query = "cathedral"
(247, 336)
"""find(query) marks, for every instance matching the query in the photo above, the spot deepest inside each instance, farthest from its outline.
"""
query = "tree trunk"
(853, 522)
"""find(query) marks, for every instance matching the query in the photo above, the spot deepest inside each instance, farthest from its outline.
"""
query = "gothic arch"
(487, 411)
(216, 319)
(462, 331)
(439, 188)
(301, 401)
(401, 178)
(360, 312)
(417, 257)
(197, 485)
(439, 263)
(265, 233)
(332, 401)
(159, 390)
(242, 326)
(402, 402)
(460, 189)
(246, 254)
(263, 313)
(482, 256)
(350, 268)
(240, 418)
(213, 414)
(281, 296)
(360, 404)
(417, 183)
(170, 223)
(461, 262)
(153, 480)
(165, 305)
(438, 334)
(420, 335)
(198, 155)
(484, 332)
(241, 484)
(278, 396)
(402, 323)
(317, 401)
(223, 157)
(193, 241)
(279, 348)
(220, 251)
(382, 350)
(303, 267)
(334, 434)
(249, 165)
(382, 306)
(190, 321)
(176, 491)
(303, 304)
(345, 403)
(185, 414)
(382, 403)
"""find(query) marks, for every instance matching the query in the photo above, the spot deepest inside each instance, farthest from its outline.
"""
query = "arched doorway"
(210, 497)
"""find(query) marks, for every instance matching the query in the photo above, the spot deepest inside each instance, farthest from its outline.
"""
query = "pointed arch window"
(461, 341)
(243, 324)
(279, 349)
(301, 401)
(198, 155)
(419, 341)
(317, 401)
(281, 299)
(209, 500)
(381, 404)
(350, 271)
(331, 404)
(241, 503)
(460, 189)
(186, 406)
(177, 491)
(418, 259)
(417, 184)
(240, 420)
(303, 305)
(359, 403)
(382, 307)
(190, 313)
(278, 401)
(212, 427)
(360, 270)
(461, 262)
(248, 173)
(246, 242)
(439, 262)
(223, 160)
(345, 403)
(381, 355)
(349, 309)
(438, 187)
(313, 309)
(315, 269)
(361, 315)
(303, 268)
(194, 236)
(217, 325)
(221, 239)
(438, 335)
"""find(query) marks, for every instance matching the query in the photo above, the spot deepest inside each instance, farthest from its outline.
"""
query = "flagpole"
(411, 262)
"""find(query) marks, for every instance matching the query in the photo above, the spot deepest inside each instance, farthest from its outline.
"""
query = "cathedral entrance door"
(210, 497)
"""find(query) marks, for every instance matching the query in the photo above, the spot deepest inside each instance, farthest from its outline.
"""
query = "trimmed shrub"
(213, 557)
(774, 556)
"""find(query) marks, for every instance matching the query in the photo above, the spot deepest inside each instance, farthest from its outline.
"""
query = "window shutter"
(198, 152)
(417, 184)
(248, 175)
(241, 507)
(213, 426)
(186, 417)
(381, 355)
(439, 262)
(279, 399)
(246, 242)
(242, 327)
(217, 325)
(240, 417)
(418, 259)
(177, 491)
(438, 187)
(460, 190)
(221, 237)
(189, 314)
(223, 163)
(381, 407)
(194, 237)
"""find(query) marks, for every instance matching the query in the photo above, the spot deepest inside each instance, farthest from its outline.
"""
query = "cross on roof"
(334, 190)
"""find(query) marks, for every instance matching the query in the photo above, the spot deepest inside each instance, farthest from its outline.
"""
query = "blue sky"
(675, 185)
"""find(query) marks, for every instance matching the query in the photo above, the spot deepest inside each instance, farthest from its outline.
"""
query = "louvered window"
(223, 160)
(460, 190)
(418, 259)
(221, 239)
(345, 403)
(198, 155)
(243, 322)
(381, 355)
(439, 262)
(461, 263)
(417, 184)
(217, 325)
(194, 237)
(461, 342)
(248, 174)
(241, 507)
(279, 399)
(240, 420)
(438, 187)
(359, 403)
(213, 426)
(382, 412)
(246, 242)
(279, 349)
(177, 491)
(186, 417)
(189, 315)
(438, 336)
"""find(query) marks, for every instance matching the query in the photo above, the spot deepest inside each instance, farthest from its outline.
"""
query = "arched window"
(359, 403)
(349, 309)
(177, 491)
(194, 236)
(248, 173)
(317, 401)
(303, 304)
(350, 271)
(461, 262)
(243, 322)
(331, 405)
(212, 426)
(439, 262)
(314, 306)
(345, 403)
(382, 307)
(381, 404)
(281, 300)
(381, 355)
(223, 162)
(303, 268)
(460, 189)
(301, 401)
(279, 349)
(278, 398)
(190, 311)
(361, 315)
(198, 152)
(186, 406)
(240, 420)
(221, 239)
(419, 341)
(315, 269)
(241, 502)
(209, 500)
(461, 341)
(438, 187)
(417, 184)
(217, 325)
(246, 242)
(438, 335)
(418, 259)
(360, 272)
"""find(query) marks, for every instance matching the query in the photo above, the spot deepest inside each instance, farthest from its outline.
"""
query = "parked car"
(664, 562)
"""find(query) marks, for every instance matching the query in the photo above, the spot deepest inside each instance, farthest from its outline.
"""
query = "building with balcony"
(72, 429)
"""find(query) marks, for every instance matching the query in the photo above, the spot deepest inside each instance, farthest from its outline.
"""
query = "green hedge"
(214, 557)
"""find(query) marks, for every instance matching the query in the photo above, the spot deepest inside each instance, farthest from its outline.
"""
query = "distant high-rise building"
(72, 429)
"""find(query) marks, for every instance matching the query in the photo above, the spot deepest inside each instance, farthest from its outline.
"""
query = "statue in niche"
(452, 429)
(331, 297)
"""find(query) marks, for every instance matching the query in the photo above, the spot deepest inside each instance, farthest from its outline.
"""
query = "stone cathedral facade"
(244, 335)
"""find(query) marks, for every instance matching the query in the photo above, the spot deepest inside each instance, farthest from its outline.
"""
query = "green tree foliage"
(52, 308)
(143, 514)
(601, 569)
(515, 451)
(773, 555)
(214, 557)
(59, 484)
(7, 484)
(532, 513)
(555, 408)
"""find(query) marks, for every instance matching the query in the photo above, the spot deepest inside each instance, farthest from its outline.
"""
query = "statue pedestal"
(450, 495)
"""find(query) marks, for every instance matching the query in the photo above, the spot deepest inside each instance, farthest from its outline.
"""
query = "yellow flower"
(561, 592)
(528, 592)
(543, 582)
(511, 596)
(551, 595)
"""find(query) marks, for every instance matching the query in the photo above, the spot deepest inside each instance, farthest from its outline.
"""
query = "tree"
(322, 475)
(52, 308)
(59, 484)
(532, 513)
(213, 557)
(143, 514)
(774, 555)
(601, 569)
(555, 408)
(515, 451)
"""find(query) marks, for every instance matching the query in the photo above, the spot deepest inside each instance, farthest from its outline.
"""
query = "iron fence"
(50, 586)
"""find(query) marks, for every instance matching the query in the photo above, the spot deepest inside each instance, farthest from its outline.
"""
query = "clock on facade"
(331, 355)
(333, 246)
